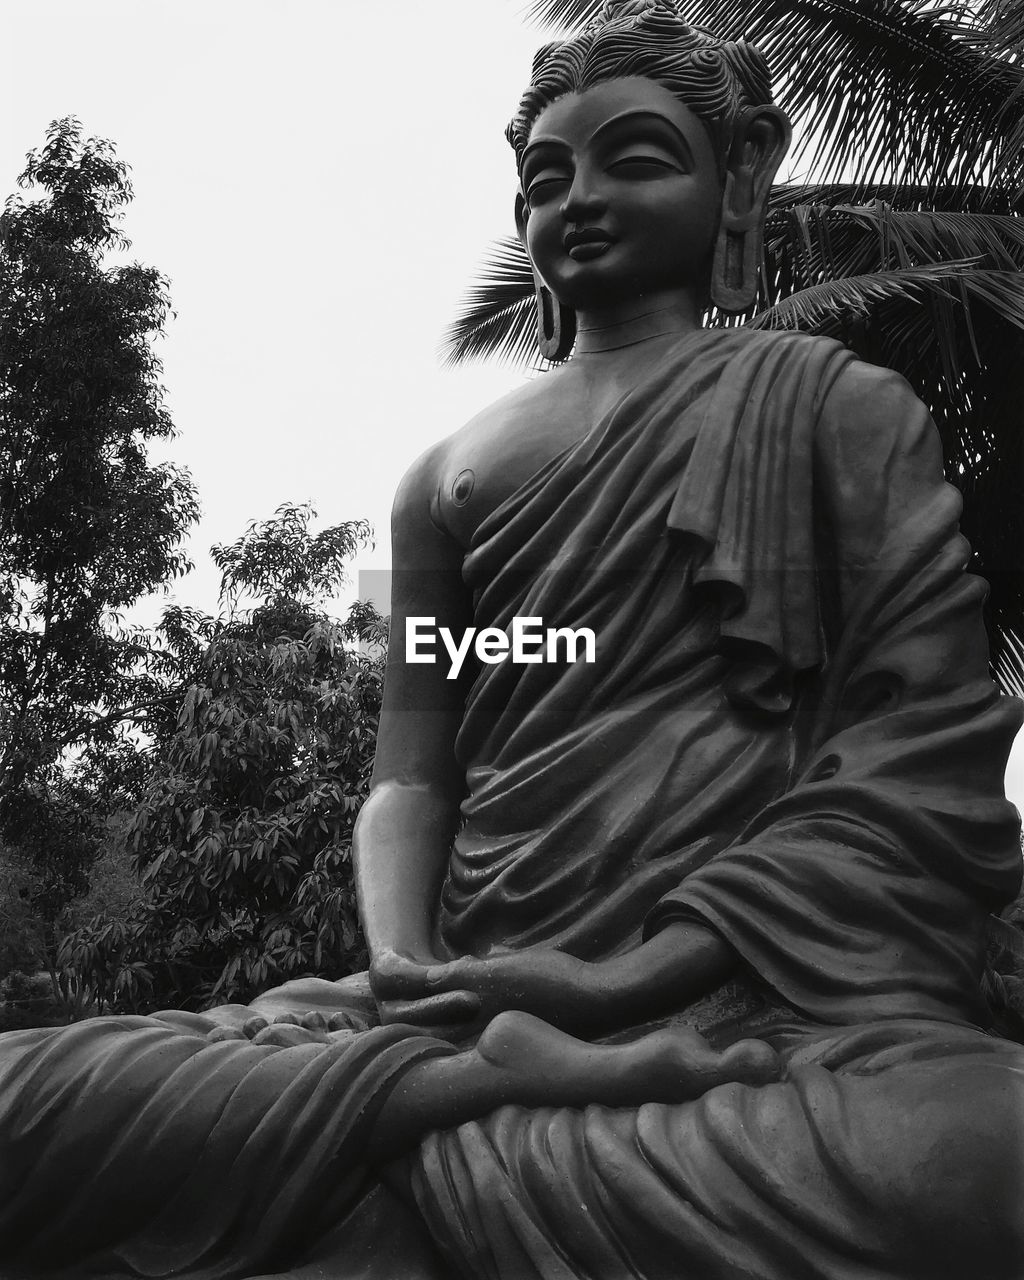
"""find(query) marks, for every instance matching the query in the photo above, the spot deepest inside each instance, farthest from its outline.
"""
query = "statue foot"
(680, 1059)
(675, 1064)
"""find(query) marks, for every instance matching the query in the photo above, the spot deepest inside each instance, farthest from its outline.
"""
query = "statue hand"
(587, 998)
(680, 963)
(399, 985)
(564, 991)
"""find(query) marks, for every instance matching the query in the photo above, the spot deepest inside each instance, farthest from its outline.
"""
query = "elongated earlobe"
(737, 262)
(762, 137)
(556, 323)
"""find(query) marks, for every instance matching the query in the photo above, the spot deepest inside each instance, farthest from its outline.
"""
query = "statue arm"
(404, 832)
(592, 998)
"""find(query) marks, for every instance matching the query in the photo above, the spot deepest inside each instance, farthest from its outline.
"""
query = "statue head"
(646, 47)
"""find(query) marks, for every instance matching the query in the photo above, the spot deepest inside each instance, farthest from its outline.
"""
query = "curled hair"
(715, 78)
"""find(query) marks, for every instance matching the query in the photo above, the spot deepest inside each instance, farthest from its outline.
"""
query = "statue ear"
(761, 140)
(556, 323)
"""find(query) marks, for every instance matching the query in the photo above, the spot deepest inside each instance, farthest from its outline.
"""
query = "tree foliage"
(88, 525)
(31, 935)
(904, 239)
(243, 834)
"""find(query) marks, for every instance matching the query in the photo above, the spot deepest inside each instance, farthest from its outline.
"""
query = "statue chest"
(482, 474)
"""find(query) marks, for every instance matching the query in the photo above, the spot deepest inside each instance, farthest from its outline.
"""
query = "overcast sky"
(319, 180)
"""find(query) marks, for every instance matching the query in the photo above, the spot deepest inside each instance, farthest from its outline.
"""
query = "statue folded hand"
(403, 996)
(561, 989)
(586, 998)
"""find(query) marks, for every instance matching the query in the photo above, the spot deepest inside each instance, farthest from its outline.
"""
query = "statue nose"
(583, 201)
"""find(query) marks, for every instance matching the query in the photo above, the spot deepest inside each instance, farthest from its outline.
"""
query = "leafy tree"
(243, 835)
(905, 240)
(88, 525)
(30, 936)
(21, 943)
(58, 832)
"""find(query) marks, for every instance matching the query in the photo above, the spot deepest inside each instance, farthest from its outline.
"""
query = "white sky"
(319, 180)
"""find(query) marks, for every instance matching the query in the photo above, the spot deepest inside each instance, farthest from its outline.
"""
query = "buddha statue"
(676, 952)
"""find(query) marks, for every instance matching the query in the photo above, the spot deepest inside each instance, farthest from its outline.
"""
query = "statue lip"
(585, 243)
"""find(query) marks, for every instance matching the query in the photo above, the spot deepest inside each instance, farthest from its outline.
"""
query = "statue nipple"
(462, 487)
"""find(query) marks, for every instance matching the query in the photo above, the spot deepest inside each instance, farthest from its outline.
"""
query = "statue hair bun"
(616, 10)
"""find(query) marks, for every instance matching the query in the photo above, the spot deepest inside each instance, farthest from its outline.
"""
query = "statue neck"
(640, 320)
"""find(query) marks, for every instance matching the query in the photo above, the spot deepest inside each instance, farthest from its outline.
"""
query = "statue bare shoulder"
(465, 477)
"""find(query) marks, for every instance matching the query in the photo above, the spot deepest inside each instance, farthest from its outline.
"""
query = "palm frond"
(827, 307)
(1008, 664)
(572, 14)
(929, 235)
(972, 198)
(846, 240)
(809, 243)
(496, 317)
(1003, 24)
(893, 90)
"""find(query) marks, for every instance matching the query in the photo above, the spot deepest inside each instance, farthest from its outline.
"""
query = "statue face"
(623, 194)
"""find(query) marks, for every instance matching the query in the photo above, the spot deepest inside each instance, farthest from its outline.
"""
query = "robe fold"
(135, 1147)
(788, 733)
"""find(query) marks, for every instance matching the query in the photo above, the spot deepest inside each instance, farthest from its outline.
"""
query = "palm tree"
(904, 238)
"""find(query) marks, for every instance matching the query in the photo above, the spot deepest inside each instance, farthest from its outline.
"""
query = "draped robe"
(789, 734)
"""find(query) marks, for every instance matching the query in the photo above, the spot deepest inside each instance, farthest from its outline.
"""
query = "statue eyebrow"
(641, 116)
(539, 147)
(614, 125)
